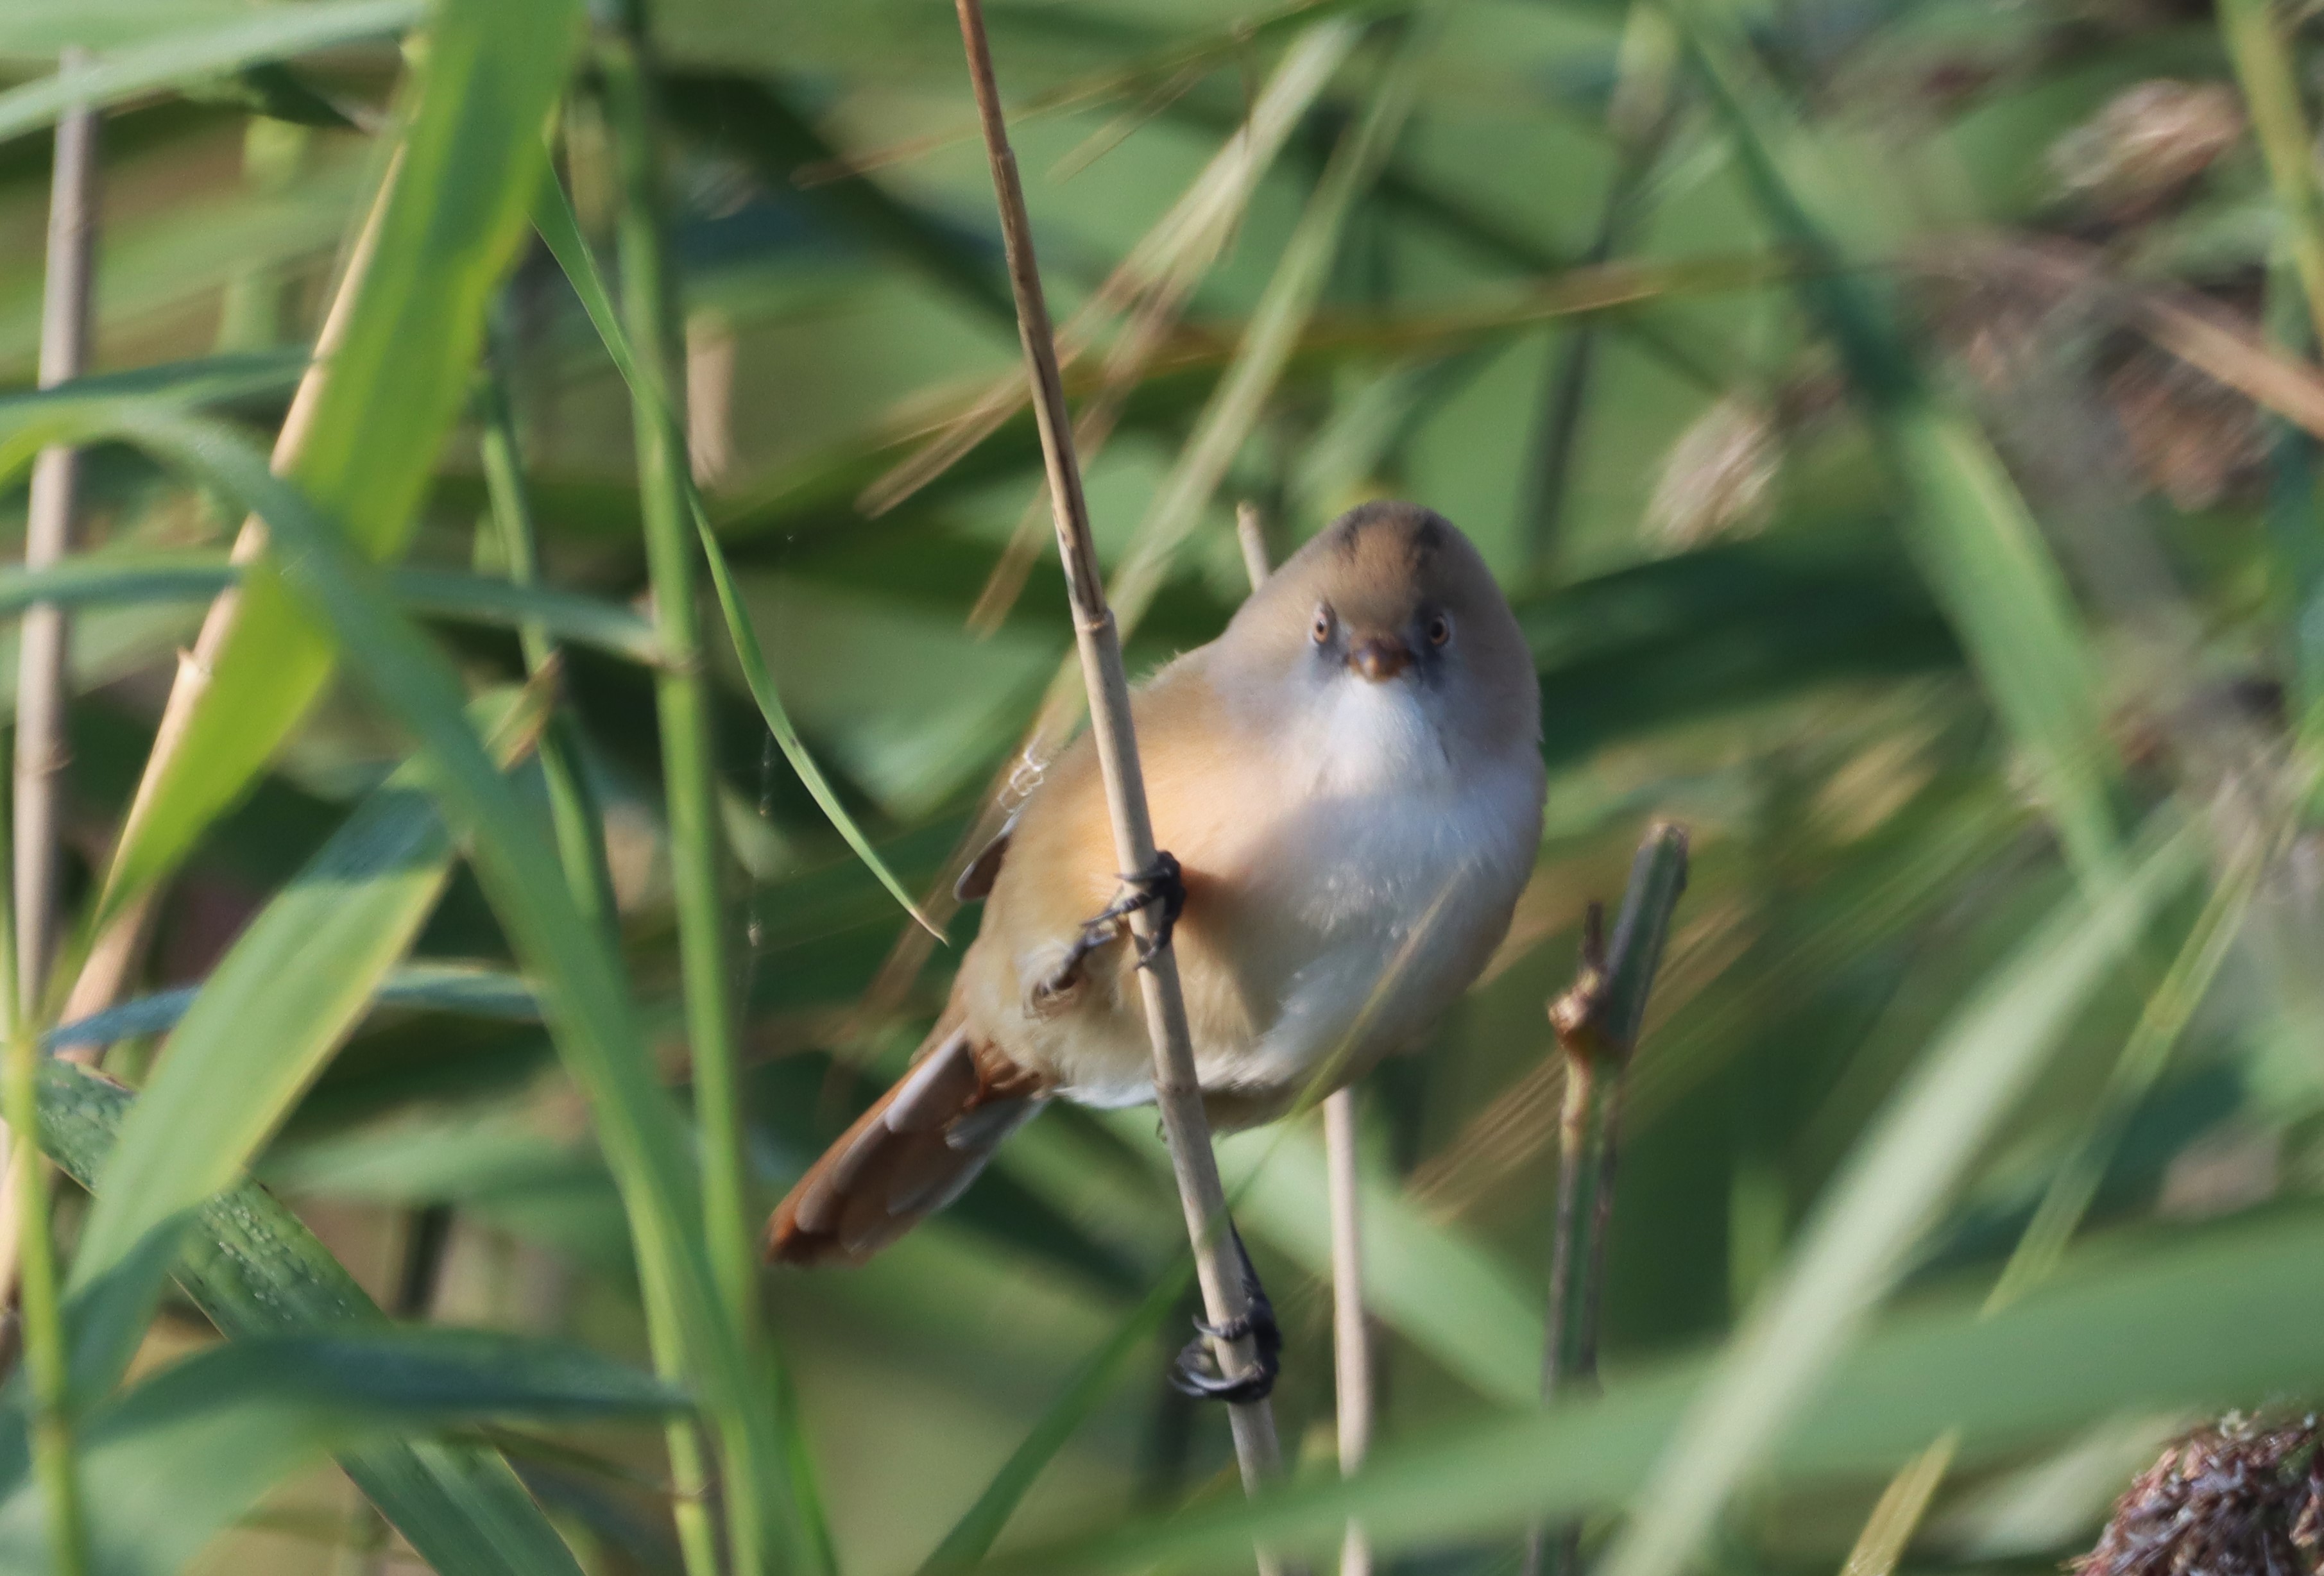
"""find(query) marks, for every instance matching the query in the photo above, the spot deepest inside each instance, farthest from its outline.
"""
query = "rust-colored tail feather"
(915, 1151)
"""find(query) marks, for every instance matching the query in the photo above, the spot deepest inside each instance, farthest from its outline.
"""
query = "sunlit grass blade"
(254, 1269)
(295, 982)
(1156, 277)
(2144, 1055)
(467, 990)
(573, 807)
(762, 682)
(174, 1460)
(177, 58)
(203, 381)
(2204, 1320)
(1876, 1207)
(553, 216)
(1269, 340)
(1896, 1517)
(469, 165)
(582, 985)
(1971, 530)
(971, 1536)
(2271, 87)
(119, 577)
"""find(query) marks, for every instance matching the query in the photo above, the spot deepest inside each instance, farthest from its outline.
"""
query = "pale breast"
(1345, 884)
(1378, 912)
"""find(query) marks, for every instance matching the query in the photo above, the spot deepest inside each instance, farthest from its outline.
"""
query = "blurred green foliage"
(1818, 378)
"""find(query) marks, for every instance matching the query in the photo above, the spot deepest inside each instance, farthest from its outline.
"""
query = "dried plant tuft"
(2243, 1498)
(2193, 440)
(1719, 478)
(2148, 143)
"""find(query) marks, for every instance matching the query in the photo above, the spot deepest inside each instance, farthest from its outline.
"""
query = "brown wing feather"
(912, 1153)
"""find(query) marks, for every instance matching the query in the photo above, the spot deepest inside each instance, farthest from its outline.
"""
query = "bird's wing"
(916, 1150)
(975, 883)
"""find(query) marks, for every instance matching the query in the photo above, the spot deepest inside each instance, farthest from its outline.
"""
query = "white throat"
(1366, 738)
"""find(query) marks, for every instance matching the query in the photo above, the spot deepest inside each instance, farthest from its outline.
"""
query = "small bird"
(1350, 781)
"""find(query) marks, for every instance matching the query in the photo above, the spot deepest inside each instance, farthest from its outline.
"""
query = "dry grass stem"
(1597, 1021)
(1176, 1092)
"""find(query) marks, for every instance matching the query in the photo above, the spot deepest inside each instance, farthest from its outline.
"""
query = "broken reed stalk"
(1352, 1354)
(1175, 1090)
(1596, 1020)
(40, 746)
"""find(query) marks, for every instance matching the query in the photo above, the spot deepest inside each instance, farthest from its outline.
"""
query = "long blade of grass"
(254, 1269)
(627, 99)
(1875, 1209)
(2144, 1054)
(553, 217)
(971, 1536)
(205, 380)
(583, 990)
(1897, 1515)
(124, 576)
(2271, 88)
(467, 990)
(469, 164)
(573, 807)
(2206, 1319)
(178, 59)
(1159, 273)
(1275, 324)
(1975, 538)
(175, 1460)
(294, 982)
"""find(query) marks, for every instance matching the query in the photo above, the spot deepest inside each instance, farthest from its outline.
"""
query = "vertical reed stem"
(572, 807)
(39, 761)
(40, 746)
(1352, 1341)
(1175, 1090)
(1596, 1020)
(1352, 1354)
(45, 1358)
(649, 305)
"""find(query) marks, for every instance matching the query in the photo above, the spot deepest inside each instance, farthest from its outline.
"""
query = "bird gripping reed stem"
(1175, 1090)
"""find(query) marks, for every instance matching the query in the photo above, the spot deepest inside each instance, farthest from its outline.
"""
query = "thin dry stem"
(1351, 1357)
(112, 958)
(1176, 1092)
(1352, 1341)
(41, 746)
(1597, 1021)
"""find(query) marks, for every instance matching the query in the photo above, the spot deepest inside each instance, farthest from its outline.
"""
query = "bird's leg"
(1196, 1372)
(1160, 883)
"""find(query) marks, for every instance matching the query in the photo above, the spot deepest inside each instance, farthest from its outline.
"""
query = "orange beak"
(1380, 657)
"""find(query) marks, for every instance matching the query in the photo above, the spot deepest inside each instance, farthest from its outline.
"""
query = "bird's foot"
(1160, 884)
(1196, 1370)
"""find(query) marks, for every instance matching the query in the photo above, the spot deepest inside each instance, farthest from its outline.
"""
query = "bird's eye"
(1321, 630)
(1440, 630)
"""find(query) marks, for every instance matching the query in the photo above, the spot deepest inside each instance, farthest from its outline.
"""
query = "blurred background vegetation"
(1893, 421)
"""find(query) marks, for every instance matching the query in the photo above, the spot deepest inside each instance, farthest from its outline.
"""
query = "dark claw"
(1195, 1371)
(1161, 882)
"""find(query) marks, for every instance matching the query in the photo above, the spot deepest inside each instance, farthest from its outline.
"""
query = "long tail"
(915, 1151)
